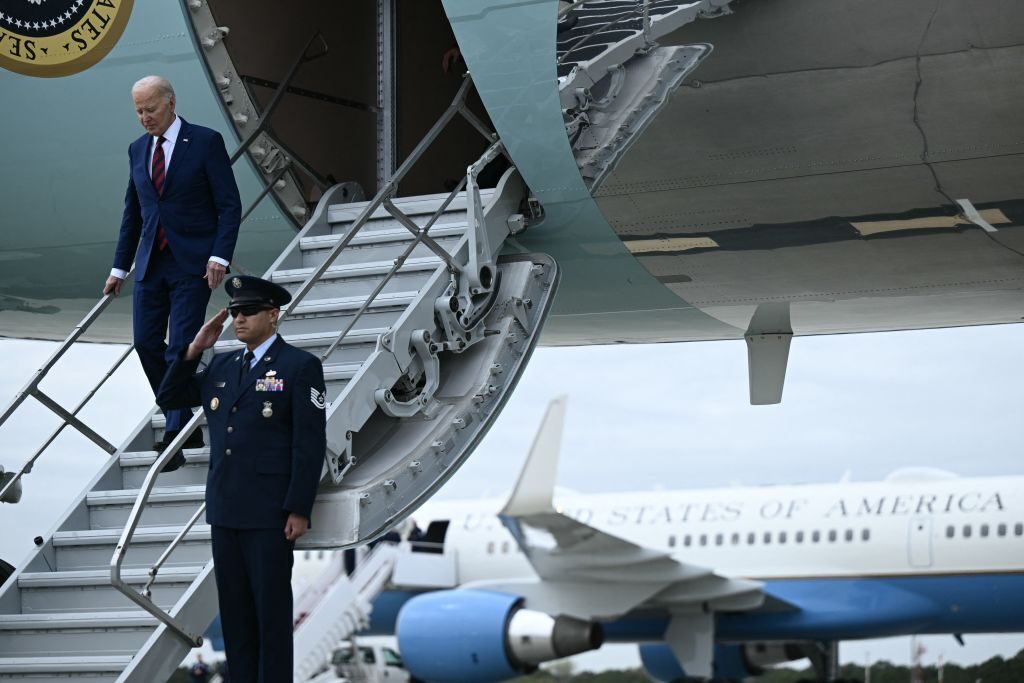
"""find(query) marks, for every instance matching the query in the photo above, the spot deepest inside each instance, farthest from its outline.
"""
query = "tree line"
(995, 670)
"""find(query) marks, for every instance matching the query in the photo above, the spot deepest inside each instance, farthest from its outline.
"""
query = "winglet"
(534, 491)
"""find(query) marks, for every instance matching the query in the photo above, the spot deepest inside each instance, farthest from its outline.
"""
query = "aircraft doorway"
(919, 542)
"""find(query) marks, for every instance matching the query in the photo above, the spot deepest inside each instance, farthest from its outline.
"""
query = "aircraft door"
(919, 542)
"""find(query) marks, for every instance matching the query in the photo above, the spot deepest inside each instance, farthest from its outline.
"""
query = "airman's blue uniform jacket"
(267, 432)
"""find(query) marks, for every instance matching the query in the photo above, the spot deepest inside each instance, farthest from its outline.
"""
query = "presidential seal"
(51, 38)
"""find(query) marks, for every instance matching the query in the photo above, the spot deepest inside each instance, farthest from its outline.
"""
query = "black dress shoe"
(194, 440)
(178, 459)
(175, 462)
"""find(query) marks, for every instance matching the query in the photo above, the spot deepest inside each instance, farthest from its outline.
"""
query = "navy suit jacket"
(200, 209)
(262, 467)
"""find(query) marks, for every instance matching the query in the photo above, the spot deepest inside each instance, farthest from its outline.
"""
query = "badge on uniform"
(318, 398)
(268, 409)
(270, 382)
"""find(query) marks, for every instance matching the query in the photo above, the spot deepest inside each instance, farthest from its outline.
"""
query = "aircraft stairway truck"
(424, 325)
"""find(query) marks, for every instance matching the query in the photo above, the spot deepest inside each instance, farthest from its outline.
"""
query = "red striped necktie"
(159, 174)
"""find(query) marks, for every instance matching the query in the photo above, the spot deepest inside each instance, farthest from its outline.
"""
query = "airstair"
(423, 329)
(337, 606)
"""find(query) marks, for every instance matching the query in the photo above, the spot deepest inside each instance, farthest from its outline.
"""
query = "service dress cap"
(246, 290)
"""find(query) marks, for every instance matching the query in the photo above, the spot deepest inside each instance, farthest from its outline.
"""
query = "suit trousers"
(253, 568)
(169, 303)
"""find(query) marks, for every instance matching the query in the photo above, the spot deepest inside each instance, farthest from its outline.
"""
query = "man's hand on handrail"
(207, 336)
(113, 286)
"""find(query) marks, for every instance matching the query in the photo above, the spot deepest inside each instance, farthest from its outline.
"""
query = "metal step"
(92, 549)
(168, 506)
(353, 349)
(382, 245)
(92, 668)
(134, 467)
(418, 208)
(361, 279)
(74, 634)
(90, 590)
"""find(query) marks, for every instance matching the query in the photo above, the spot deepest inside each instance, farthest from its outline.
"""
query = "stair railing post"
(117, 560)
(385, 192)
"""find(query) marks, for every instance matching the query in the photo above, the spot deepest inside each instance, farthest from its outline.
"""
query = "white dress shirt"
(260, 350)
(170, 137)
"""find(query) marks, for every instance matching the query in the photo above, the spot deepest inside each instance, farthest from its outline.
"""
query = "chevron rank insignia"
(318, 398)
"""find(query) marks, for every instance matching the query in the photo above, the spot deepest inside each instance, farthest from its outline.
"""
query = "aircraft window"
(719, 539)
(751, 538)
(390, 657)
(671, 541)
(967, 530)
(832, 535)
(367, 655)
(703, 539)
(735, 539)
(767, 537)
(815, 536)
(782, 537)
(865, 534)
(799, 537)
(848, 535)
(321, 555)
(1001, 529)
(950, 531)
(687, 540)
(1018, 529)
(983, 531)
(504, 547)
(490, 547)
(307, 554)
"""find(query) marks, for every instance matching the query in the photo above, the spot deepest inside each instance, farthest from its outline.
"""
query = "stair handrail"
(372, 574)
(382, 198)
(386, 192)
(31, 388)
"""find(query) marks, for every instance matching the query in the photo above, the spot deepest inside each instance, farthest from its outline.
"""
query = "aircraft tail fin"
(534, 491)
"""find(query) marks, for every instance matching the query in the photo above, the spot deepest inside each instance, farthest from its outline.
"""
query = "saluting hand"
(207, 335)
(296, 526)
(214, 274)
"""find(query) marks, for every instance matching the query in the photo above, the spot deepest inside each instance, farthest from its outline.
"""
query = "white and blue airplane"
(709, 583)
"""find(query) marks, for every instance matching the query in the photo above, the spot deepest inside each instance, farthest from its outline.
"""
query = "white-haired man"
(180, 224)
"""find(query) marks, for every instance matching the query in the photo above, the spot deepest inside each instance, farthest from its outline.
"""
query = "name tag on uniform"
(220, 385)
(269, 384)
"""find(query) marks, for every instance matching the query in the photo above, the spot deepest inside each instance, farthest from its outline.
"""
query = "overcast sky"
(668, 416)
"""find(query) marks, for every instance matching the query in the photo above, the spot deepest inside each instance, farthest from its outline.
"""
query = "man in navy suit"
(180, 224)
(265, 409)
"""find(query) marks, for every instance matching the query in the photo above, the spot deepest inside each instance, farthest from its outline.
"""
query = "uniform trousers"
(169, 303)
(253, 568)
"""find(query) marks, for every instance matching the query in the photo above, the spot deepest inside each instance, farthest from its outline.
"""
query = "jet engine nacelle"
(474, 636)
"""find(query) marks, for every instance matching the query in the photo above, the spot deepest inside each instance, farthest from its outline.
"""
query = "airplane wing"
(587, 573)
